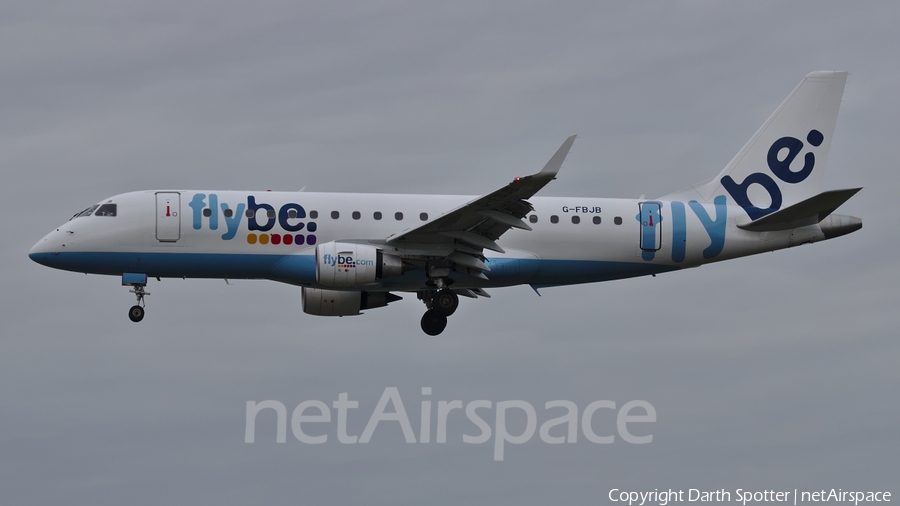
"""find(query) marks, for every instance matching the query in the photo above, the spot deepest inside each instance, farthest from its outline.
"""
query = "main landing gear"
(441, 303)
(433, 323)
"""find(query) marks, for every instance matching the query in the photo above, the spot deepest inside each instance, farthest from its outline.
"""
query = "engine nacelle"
(319, 302)
(350, 264)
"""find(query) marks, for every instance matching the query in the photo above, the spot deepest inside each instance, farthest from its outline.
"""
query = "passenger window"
(533, 218)
(356, 215)
(314, 214)
(335, 215)
(596, 220)
(398, 216)
(249, 213)
(207, 212)
(617, 220)
(423, 216)
(270, 213)
(576, 220)
(377, 215)
(106, 210)
(292, 213)
(229, 213)
(554, 219)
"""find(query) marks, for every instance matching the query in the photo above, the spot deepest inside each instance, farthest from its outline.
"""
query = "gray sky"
(770, 372)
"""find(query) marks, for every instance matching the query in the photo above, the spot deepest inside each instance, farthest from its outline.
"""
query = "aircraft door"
(168, 219)
(651, 228)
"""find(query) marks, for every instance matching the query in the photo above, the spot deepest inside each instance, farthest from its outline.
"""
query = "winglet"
(552, 167)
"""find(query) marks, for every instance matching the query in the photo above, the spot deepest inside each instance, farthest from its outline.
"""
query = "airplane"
(351, 252)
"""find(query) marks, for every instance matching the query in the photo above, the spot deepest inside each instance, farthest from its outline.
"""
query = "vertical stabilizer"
(783, 162)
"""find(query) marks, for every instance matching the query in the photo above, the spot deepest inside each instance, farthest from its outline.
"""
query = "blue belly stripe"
(301, 269)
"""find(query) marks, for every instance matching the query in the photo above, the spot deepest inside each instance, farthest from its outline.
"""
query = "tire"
(433, 323)
(136, 313)
(445, 302)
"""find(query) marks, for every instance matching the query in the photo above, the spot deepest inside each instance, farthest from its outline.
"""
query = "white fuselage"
(182, 233)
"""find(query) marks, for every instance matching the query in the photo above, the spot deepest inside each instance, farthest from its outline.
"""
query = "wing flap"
(469, 261)
(505, 219)
(474, 239)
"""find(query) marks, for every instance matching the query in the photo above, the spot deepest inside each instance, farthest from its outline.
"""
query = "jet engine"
(350, 264)
(319, 302)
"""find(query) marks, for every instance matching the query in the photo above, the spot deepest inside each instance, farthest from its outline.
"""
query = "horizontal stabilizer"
(808, 212)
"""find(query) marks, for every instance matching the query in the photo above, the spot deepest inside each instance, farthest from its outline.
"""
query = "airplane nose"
(39, 251)
(46, 249)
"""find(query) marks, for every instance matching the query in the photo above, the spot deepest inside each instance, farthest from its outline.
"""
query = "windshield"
(106, 210)
(86, 212)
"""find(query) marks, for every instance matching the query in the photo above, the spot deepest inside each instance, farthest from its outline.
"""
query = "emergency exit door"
(168, 216)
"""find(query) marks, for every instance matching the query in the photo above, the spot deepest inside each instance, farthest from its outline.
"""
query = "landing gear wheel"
(433, 323)
(445, 302)
(136, 313)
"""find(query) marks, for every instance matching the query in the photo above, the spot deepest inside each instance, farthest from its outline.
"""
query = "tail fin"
(782, 164)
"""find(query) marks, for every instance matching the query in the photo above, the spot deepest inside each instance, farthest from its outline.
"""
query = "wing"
(468, 230)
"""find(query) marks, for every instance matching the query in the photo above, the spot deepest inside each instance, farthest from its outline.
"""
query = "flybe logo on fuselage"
(780, 164)
(260, 217)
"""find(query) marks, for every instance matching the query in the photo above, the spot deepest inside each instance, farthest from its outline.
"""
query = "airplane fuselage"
(573, 239)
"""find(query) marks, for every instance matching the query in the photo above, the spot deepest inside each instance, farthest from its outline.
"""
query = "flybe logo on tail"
(259, 217)
(781, 155)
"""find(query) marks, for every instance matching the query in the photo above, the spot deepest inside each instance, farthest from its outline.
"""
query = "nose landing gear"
(138, 282)
(136, 313)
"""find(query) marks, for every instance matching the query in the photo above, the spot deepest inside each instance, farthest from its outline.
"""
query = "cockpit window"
(106, 210)
(86, 212)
